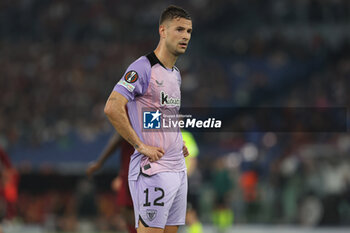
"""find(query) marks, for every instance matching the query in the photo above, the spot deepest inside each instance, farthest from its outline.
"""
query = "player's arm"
(115, 110)
(113, 144)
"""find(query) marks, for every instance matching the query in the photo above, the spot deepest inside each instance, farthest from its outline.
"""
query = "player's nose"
(186, 37)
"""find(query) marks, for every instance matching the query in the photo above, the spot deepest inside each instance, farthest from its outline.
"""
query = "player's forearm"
(110, 148)
(119, 119)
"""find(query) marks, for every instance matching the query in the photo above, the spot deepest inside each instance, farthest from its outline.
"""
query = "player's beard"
(173, 49)
(180, 51)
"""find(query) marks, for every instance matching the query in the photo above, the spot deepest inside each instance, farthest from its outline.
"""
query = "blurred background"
(60, 59)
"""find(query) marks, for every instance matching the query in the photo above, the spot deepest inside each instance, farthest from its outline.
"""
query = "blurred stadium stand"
(60, 59)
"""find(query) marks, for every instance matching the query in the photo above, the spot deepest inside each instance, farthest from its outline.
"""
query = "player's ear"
(162, 31)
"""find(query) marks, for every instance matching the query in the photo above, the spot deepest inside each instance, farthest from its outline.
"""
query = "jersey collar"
(154, 60)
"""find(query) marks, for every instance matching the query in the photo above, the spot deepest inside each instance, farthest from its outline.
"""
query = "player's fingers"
(154, 157)
(161, 150)
(161, 153)
(186, 152)
(158, 155)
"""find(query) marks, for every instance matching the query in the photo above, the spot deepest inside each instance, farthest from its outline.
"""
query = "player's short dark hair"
(172, 12)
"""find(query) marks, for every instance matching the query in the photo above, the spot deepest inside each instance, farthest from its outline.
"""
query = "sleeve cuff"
(124, 92)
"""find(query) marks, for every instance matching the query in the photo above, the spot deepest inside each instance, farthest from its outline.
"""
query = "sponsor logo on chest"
(166, 100)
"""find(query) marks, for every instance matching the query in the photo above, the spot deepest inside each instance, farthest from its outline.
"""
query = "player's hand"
(185, 150)
(154, 153)
(117, 184)
(92, 168)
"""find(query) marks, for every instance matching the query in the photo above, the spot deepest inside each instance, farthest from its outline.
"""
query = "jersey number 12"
(156, 201)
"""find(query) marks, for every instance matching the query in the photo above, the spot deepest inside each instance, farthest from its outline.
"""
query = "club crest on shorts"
(151, 214)
(131, 76)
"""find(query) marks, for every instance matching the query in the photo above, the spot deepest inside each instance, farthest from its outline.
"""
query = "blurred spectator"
(192, 221)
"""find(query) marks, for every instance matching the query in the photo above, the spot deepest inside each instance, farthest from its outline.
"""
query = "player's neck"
(165, 57)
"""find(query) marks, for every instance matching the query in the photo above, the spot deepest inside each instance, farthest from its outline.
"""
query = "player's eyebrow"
(183, 28)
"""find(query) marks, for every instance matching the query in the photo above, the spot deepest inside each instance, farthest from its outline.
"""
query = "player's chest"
(165, 88)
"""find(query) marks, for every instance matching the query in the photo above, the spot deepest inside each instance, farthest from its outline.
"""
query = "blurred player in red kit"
(9, 179)
(120, 183)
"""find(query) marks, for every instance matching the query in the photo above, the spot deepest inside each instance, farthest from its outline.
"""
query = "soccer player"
(157, 171)
(124, 202)
(120, 183)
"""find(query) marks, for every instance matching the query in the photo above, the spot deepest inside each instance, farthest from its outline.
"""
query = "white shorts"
(160, 200)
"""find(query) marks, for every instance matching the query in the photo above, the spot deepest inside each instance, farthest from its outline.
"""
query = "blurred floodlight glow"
(250, 152)
(289, 165)
(269, 139)
(344, 143)
(233, 160)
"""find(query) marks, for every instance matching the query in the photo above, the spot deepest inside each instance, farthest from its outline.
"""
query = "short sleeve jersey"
(148, 84)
